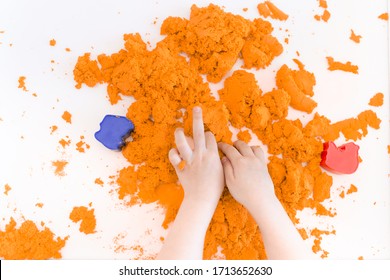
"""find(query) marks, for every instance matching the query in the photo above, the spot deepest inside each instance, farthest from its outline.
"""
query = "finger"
(227, 169)
(198, 129)
(211, 144)
(230, 152)
(190, 142)
(182, 144)
(243, 148)
(258, 152)
(174, 157)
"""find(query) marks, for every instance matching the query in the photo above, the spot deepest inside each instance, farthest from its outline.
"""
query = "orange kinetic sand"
(299, 85)
(167, 81)
(384, 16)
(53, 128)
(352, 189)
(244, 136)
(354, 37)
(7, 188)
(99, 181)
(52, 42)
(28, 242)
(66, 116)
(59, 167)
(267, 9)
(336, 65)
(182, 164)
(377, 100)
(64, 142)
(325, 15)
(79, 146)
(323, 4)
(22, 83)
(263, 10)
(87, 218)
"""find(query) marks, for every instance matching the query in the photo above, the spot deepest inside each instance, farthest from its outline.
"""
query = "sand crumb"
(352, 189)
(384, 16)
(66, 116)
(336, 65)
(22, 83)
(99, 181)
(244, 135)
(64, 142)
(87, 218)
(377, 100)
(268, 9)
(7, 188)
(59, 167)
(354, 37)
(53, 128)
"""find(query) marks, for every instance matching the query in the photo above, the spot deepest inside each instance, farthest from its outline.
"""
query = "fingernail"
(197, 109)
(224, 159)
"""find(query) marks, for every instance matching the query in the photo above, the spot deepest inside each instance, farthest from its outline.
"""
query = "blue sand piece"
(113, 131)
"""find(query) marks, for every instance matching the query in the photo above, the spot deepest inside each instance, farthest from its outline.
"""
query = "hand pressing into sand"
(203, 182)
(249, 182)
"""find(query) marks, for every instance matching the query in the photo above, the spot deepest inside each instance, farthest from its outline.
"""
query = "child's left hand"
(202, 176)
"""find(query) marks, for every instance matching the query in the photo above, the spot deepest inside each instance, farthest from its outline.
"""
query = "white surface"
(363, 229)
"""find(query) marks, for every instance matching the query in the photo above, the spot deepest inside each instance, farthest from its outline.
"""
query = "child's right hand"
(246, 174)
(202, 176)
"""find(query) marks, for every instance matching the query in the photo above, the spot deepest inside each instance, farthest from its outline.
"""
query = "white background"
(363, 229)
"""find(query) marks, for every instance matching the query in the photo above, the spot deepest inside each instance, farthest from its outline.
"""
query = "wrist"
(199, 204)
(261, 202)
(195, 213)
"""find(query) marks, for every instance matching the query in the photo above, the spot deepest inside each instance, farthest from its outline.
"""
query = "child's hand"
(203, 182)
(249, 182)
(246, 174)
(202, 176)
